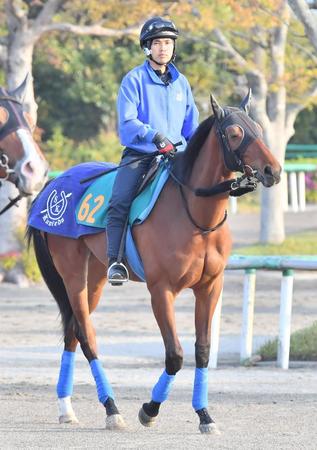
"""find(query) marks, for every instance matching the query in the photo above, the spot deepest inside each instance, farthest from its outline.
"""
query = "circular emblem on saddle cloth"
(56, 206)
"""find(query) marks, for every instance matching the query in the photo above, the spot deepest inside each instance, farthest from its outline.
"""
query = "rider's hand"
(163, 144)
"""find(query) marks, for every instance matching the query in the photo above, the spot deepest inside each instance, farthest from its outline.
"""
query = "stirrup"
(117, 274)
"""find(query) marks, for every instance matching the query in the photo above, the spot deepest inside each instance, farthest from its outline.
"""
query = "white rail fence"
(250, 264)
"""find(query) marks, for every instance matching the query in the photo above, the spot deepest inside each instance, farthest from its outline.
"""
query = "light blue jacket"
(146, 106)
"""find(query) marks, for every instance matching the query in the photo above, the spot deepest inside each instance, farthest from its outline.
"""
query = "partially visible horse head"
(21, 160)
(242, 143)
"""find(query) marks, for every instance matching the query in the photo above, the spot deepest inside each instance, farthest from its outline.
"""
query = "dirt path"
(256, 408)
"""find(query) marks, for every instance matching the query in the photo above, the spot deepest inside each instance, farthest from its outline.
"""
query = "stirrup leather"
(117, 274)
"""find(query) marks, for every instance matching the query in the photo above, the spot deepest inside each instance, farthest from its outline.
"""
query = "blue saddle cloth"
(71, 209)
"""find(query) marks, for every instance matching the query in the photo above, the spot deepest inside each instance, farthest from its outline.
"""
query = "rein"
(200, 228)
(11, 203)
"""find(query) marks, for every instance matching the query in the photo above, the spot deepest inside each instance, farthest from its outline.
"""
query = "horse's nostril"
(27, 169)
(268, 170)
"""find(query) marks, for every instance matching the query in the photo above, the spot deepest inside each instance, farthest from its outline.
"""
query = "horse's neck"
(208, 171)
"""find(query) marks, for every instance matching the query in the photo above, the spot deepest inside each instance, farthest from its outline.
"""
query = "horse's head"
(242, 143)
(21, 160)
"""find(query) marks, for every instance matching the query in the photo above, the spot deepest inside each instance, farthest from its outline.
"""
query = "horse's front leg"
(206, 301)
(163, 308)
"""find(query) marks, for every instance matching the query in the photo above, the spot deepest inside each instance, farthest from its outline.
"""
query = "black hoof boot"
(206, 425)
(148, 413)
(114, 420)
(117, 274)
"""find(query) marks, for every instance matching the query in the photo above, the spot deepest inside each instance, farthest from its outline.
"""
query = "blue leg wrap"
(65, 383)
(200, 393)
(162, 388)
(104, 389)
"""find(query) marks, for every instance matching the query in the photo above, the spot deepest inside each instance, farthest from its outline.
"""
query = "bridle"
(15, 121)
(251, 132)
(233, 161)
(4, 164)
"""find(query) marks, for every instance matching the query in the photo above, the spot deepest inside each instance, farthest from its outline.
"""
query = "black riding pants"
(126, 184)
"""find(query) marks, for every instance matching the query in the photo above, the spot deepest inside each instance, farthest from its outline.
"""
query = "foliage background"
(76, 78)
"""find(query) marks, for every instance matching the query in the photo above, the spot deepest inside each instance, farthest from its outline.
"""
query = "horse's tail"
(50, 275)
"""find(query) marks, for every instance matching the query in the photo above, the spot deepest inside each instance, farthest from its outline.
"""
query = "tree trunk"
(272, 214)
(19, 63)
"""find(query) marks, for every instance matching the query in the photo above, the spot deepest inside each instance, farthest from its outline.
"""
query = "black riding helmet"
(157, 27)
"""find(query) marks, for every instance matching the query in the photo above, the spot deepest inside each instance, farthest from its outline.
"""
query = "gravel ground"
(260, 407)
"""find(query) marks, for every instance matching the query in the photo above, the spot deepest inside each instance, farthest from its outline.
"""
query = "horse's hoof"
(68, 418)
(145, 420)
(209, 428)
(115, 422)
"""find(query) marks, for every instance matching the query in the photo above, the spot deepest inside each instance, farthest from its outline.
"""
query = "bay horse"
(184, 243)
(21, 160)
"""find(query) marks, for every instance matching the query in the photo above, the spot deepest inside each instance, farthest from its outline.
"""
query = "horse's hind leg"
(65, 382)
(96, 281)
(77, 270)
(163, 308)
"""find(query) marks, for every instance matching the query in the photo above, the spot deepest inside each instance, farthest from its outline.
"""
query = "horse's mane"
(188, 157)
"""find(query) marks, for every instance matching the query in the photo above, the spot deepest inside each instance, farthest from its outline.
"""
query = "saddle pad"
(53, 211)
(57, 206)
(92, 208)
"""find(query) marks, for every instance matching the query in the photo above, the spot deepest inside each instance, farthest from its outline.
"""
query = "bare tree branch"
(92, 30)
(48, 11)
(306, 52)
(252, 72)
(206, 41)
(15, 11)
(304, 15)
(229, 49)
(256, 40)
(292, 111)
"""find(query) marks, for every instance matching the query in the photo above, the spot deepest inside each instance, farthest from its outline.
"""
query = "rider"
(155, 109)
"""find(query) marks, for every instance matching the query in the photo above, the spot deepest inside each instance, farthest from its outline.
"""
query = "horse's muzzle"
(269, 176)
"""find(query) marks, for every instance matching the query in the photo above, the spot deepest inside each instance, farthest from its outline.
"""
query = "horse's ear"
(217, 110)
(246, 102)
(20, 92)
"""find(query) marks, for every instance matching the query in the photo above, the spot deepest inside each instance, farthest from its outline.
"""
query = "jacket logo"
(179, 96)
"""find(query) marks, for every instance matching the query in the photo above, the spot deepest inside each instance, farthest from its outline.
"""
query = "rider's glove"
(163, 144)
